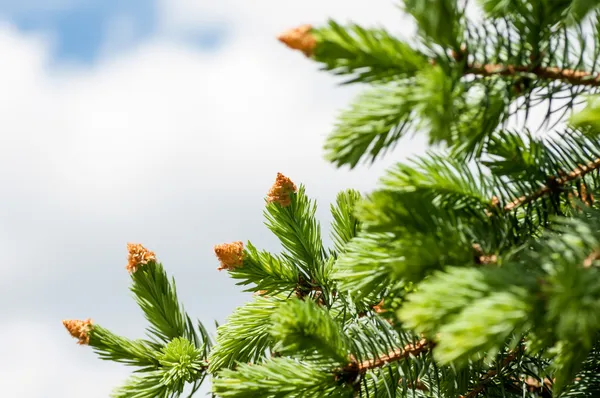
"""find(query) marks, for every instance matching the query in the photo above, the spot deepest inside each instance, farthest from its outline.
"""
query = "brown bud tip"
(79, 329)
(379, 307)
(231, 255)
(138, 256)
(280, 191)
(300, 38)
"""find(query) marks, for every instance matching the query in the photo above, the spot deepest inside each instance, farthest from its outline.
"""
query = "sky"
(161, 122)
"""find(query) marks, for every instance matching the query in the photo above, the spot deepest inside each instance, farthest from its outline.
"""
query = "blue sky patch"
(82, 29)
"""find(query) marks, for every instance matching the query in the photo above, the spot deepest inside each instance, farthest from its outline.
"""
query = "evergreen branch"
(157, 296)
(360, 368)
(111, 347)
(304, 327)
(578, 172)
(373, 124)
(422, 346)
(489, 376)
(291, 217)
(246, 335)
(368, 55)
(146, 385)
(470, 310)
(267, 272)
(572, 76)
(182, 363)
(279, 378)
(438, 21)
(345, 225)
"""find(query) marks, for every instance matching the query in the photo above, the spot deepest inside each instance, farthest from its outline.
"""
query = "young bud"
(280, 191)
(231, 255)
(79, 329)
(300, 38)
(378, 308)
(138, 256)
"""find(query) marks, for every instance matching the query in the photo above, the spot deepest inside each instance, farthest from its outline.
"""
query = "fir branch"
(578, 172)
(265, 272)
(290, 215)
(246, 335)
(115, 348)
(145, 385)
(489, 376)
(345, 225)
(156, 294)
(367, 55)
(279, 378)
(355, 368)
(572, 76)
(305, 327)
(421, 347)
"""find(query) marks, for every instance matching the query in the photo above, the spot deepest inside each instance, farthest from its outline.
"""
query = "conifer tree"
(471, 271)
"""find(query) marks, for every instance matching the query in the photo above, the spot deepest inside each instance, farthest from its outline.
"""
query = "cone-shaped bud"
(231, 255)
(281, 191)
(138, 255)
(378, 308)
(79, 329)
(300, 38)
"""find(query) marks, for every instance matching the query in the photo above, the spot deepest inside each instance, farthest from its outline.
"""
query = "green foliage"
(366, 268)
(434, 102)
(182, 363)
(245, 337)
(304, 327)
(298, 230)
(541, 13)
(439, 21)
(111, 347)
(483, 109)
(473, 310)
(589, 117)
(449, 101)
(176, 354)
(374, 123)
(588, 381)
(279, 377)
(345, 225)
(368, 55)
(157, 297)
(266, 272)
(564, 255)
(449, 184)
(435, 97)
(425, 215)
(148, 385)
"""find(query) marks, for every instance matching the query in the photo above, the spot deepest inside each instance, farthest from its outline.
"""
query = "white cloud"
(165, 145)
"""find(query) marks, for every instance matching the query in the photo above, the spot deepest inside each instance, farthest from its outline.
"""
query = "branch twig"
(572, 76)
(576, 173)
(354, 371)
(398, 354)
(486, 378)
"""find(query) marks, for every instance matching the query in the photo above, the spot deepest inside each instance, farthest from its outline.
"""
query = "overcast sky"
(162, 122)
